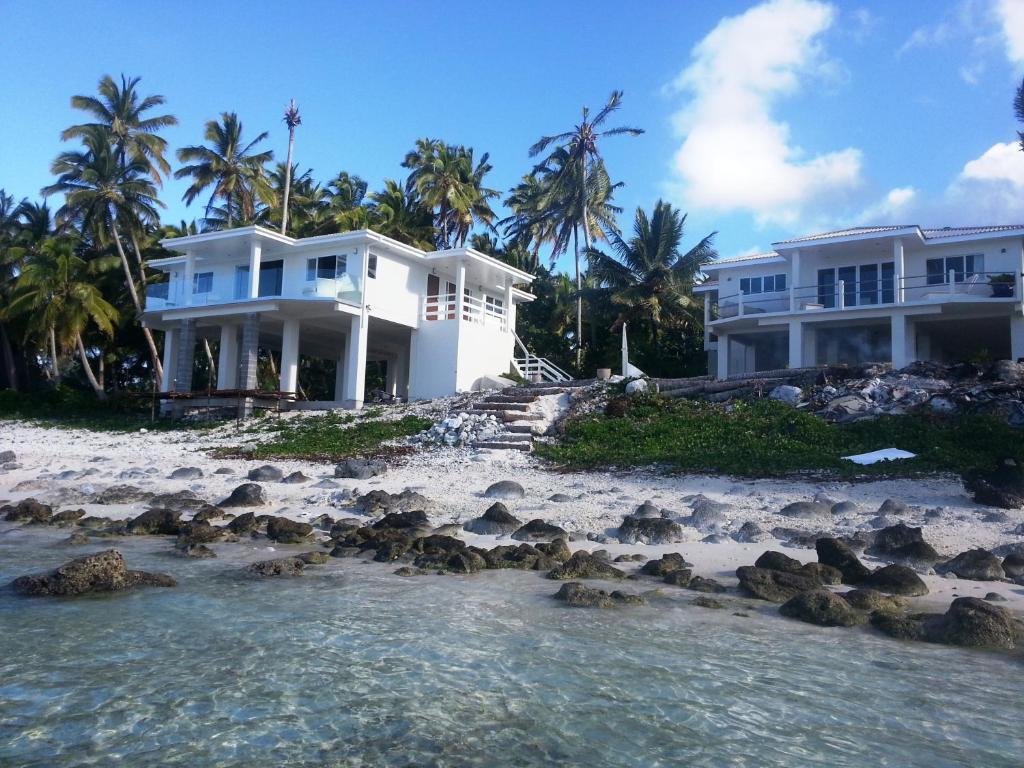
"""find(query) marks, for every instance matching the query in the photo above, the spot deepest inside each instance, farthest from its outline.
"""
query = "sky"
(762, 120)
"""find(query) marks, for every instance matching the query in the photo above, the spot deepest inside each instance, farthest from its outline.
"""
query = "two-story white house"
(867, 294)
(443, 321)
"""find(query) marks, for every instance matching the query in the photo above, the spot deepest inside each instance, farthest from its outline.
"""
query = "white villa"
(443, 322)
(867, 294)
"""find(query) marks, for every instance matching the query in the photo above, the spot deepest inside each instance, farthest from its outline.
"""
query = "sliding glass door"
(863, 285)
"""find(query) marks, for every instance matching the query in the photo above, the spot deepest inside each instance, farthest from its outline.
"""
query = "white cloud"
(896, 204)
(1011, 17)
(1002, 162)
(736, 155)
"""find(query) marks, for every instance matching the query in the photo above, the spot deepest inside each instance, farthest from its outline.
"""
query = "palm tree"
(291, 119)
(574, 178)
(120, 110)
(650, 279)
(1018, 108)
(10, 257)
(229, 168)
(99, 192)
(56, 292)
(397, 212)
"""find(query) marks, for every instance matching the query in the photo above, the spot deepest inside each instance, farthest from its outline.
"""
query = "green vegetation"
(68, 408)
(331, 436)
(769, 439)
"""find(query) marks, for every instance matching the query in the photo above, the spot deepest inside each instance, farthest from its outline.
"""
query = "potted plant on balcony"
(1002, 285)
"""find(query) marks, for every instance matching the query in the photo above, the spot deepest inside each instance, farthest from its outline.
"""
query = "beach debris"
(100, 572)
(884, 454)
(461, 430)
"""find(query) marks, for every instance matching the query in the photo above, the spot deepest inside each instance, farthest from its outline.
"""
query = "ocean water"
(352, 666)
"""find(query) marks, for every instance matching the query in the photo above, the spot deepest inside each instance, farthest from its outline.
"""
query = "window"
(495, 307)
(202, 282)
(937, 270)
(325, 267)
(371, 266)
(766, 284)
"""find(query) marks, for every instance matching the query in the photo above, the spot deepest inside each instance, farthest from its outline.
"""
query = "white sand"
(455, 480)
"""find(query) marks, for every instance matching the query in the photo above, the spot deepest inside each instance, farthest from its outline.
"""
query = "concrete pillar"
(508, 320)
(898, 270)
(227, 363)
(810, 346)
(255, 253)
(355, 362)
(290, 356)
(460, 289)
(339, 377)
(190, 272)
(170, 359)
(402, 374)
(902, 342)
(390, 375)
(185, 354)
(1016, 336)
(723, 356)
(794, 278)
(248, 353)
(796, 344)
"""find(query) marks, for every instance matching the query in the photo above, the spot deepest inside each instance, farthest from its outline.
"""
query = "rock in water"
(643, 530)
(66, 517)
(496, 521)
(122, 494)
(28, 511)
(871, 600)
(505, 489)
(666, 564)
(280, 566)
(162, 522)
(969, 622)
(823, 608)
(835, 553)
(896, 580)
(580, 596)
(975, 564)
(102, 572)
(774, 586)
(583, 565)
(287, 531)
(246, 495)
(244, 523)
(360, 469)
(265, 474)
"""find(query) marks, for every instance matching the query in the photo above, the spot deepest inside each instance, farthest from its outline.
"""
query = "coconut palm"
(292, 119)
(398, 212)
(10, 256)
(57, 294)
(229, 169)
(121, 110)
(650, 279)
(1018, 108)
(100, 193)
(36, 225)
(572, 186)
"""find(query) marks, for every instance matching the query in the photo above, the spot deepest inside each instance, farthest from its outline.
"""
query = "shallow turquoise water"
(350, 665)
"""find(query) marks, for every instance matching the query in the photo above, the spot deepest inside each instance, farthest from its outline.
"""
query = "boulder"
(1013, 565)
(495, 521)
(101, 572)
(538, 530)
(197, 551)
(583, 565)
(642, 530)
(316, 557)
(637, 387)
(7, 456)
(896, 580)
(246, 495)
(181, 501)
(77, 539)
(894, 538)
(702, 584)
(67, 517)
(826, 574)
(806, 510)
(703, 601)
(122, 494)
(1002, 486)
(265, 474)
(287, 531)
(525, 557)
(198, 532)
(244, 523)
(280, 566)
(772, 585)
(28, 511)
(579, 595)
(446, 554)
(777, 561)
(679, 578)
(360, 469)
(787, 394)
(295, 478)
(871, 600)
(186, 473)
(975, 564)
(821, 607)
(970, 622)
(892, 507)
(647, 509)
(158, 522)
(837, 554)
(751, 533)
(505, 489)
(671, 561)
(560, 498)
(844, 508)
(406, 521)
(381, 502)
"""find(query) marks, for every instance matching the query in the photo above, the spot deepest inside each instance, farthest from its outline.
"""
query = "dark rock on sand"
(280, 566)
(381, 502)
(122, 494)
(871, 600)
(777, 561)
(246, 495)
(892, 507)
(969, 622)
(186, 473)
(28, 511)
(994, 597)
(560, 498)
(894, 538)
(896, 580)
(1002, 486)
(772, 585)
(505, 489)
(244, 523)
(821, 607)
(826, 574)
(581, 596)
(496, 521)
(975, 564)
(7, 456)
(702, 584)
(671, 561)
(295, 478)
(287, 531)
(525, 557)
(751, 533)
(101, 572)
(806, 510)
(641, 530)
(265, 474)
(835, 553)
(539, 530)
(1013, 565)
(181, 501)
(583, 565)
(844, 508)
(360, 469)
(158, 522)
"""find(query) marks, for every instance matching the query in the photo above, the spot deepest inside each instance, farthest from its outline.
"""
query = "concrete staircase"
(517, 408)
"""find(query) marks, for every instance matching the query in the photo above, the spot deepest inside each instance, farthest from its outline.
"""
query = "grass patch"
(330, 437)
(766, 438)
(64, 408)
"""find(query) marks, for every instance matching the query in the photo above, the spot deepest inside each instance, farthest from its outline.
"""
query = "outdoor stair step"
(491, 406)
(535, 391)
(514, 437)
(571, 384)
(523, 398)
(520, 429)
(507, 415)
(495, 445)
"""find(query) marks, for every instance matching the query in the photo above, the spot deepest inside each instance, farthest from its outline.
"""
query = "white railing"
(530, 366)
(473, 309)
(159, 296)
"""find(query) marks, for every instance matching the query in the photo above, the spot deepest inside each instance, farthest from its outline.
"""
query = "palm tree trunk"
(138, 259)
(229, 196)
(287, 181)
(130, 282)
(579, 295)
(88, 369)
(10, 369)
(54, 365)
(213, 366)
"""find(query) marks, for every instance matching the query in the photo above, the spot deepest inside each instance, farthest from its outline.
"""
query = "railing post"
(841, 294)
(739, 304)
(952, 281)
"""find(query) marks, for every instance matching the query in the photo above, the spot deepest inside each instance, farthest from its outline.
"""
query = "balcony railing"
(473, 309)
(344, 288)
(842, 295)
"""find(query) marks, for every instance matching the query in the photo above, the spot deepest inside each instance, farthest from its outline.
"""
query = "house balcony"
(216, 292)
(472, 309)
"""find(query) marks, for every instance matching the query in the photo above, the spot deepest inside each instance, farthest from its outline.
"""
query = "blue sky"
(763, 120)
